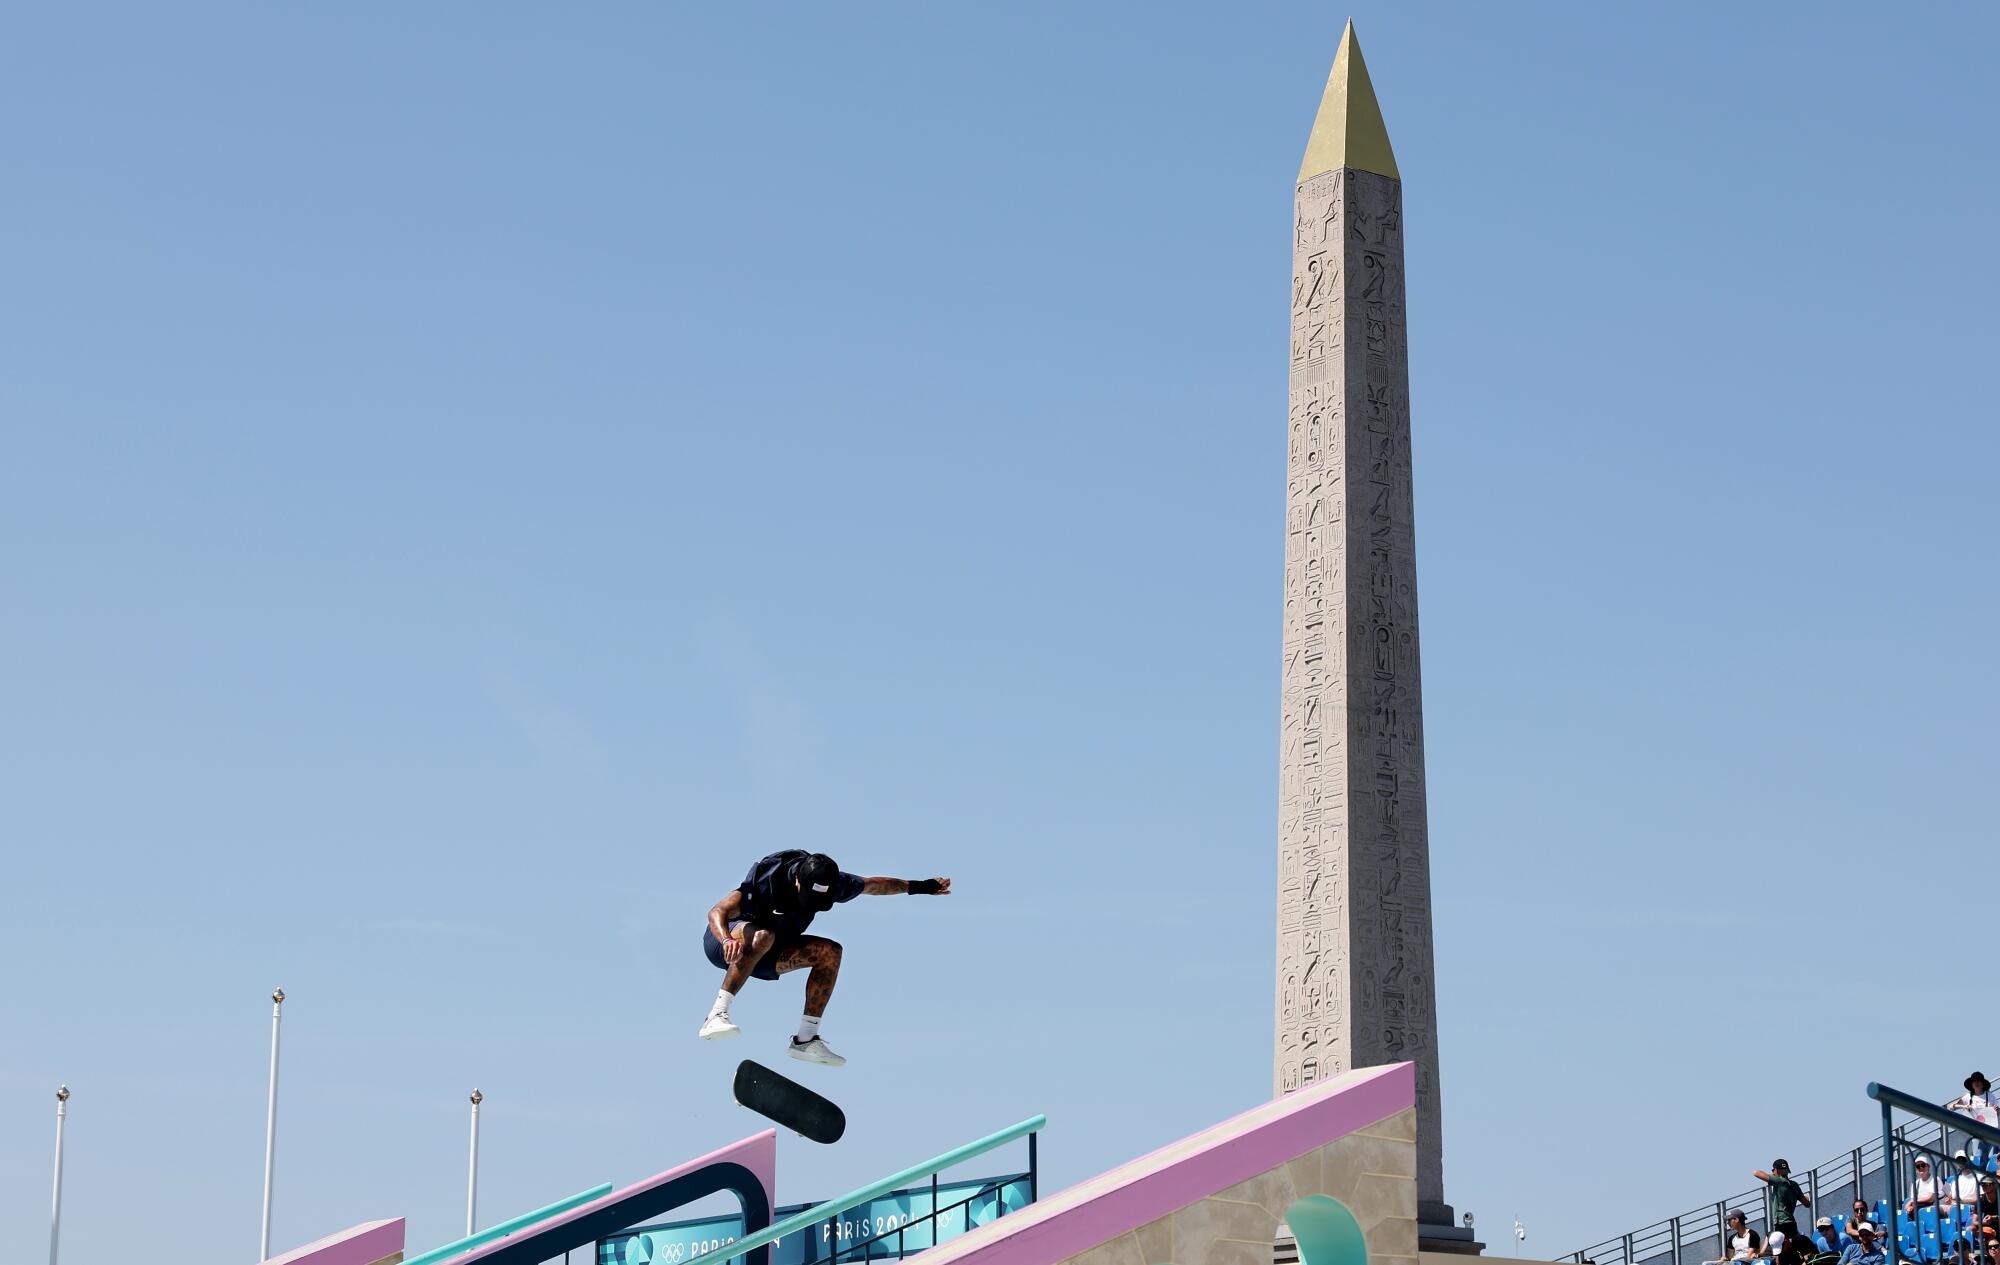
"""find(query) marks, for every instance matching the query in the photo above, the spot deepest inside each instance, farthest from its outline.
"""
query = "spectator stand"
(1701, 1234)
(1945, 1233)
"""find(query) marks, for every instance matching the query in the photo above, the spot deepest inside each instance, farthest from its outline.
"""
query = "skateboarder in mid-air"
(759, 929)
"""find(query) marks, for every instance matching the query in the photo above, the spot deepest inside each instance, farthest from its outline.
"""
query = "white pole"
(271, 1125)
(472, 1169)
(55, 1211)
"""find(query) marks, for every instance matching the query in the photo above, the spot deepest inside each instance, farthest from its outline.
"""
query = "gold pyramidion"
(1348, 131)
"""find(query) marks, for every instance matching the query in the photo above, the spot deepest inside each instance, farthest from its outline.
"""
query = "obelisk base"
(1438, 1231)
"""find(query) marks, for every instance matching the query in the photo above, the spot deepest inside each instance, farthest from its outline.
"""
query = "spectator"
(1739, 1242)
(1926, 1192)
(1824, 1238)
(1784, 1195)
(1980, 1102)
(1964, 1188)
(1854, 1218)
(1864, 1250)
(1988, 1209)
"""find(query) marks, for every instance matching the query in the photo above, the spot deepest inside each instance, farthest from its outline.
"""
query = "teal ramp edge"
(1326, 1232)
(508, 1226)
(833, 1207)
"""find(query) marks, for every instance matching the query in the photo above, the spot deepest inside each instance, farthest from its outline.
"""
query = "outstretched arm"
(906, 886)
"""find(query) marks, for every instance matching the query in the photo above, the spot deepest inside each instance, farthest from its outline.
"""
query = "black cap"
(817, 876)
(1779, 1166)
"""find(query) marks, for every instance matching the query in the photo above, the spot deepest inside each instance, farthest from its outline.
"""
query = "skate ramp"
(370, 1243)
(1218, 1196)
(748, 1169)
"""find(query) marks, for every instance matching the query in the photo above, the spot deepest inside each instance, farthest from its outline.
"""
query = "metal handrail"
(997, 1188)
(508, 1226)
(834, 1207)
(1932, 1112)
(1940, 1116)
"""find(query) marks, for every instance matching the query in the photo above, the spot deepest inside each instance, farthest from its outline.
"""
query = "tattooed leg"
(823, 957)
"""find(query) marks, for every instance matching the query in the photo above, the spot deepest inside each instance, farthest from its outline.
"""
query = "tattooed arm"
(901, 886)
(720, 915)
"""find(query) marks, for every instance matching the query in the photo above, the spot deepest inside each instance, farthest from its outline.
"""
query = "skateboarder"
(759, 929)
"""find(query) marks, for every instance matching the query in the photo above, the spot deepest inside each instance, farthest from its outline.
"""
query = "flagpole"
(271, 1124)
(55, 1209)
(472, 1169)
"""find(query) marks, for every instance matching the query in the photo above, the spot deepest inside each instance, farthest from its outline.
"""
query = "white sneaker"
(719, 1027)
(816, 1051)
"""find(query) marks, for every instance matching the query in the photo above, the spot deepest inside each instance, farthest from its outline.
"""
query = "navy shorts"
(767, 966)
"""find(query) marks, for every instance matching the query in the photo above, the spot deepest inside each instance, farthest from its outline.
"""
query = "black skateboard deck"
(784, 1100)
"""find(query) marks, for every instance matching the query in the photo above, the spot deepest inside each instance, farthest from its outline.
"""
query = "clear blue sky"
(474, 476)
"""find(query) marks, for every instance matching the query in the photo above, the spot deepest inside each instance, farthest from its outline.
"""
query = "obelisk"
(1354, 904)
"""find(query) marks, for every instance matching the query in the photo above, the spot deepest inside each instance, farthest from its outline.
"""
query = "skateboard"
(784, 1100)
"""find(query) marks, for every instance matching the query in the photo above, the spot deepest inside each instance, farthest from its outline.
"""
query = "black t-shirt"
(1785, 1195)
(771, 896)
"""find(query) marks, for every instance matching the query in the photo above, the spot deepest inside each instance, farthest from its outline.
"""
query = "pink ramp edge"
(1129, 1196)
(758, 1153)
(365, 1244)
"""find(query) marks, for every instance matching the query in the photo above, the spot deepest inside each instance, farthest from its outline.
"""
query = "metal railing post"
(1674, 1228)
(1889, 1174)
(1628, 1250)
(1034, 1170)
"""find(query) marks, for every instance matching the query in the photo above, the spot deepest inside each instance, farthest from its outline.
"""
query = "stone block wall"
(1372, 1170)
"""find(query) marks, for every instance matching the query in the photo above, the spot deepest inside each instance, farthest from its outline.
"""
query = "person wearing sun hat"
(1981, 1103)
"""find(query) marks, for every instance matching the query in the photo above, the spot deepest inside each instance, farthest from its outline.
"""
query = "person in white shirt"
(1964, 1187)
(1980, 1102)
(1925, 1192)
(1739, 1242)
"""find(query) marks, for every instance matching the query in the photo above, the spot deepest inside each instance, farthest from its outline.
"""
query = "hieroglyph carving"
(1354, 914)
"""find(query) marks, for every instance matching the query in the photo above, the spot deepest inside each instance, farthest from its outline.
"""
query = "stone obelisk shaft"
(1354, 909)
